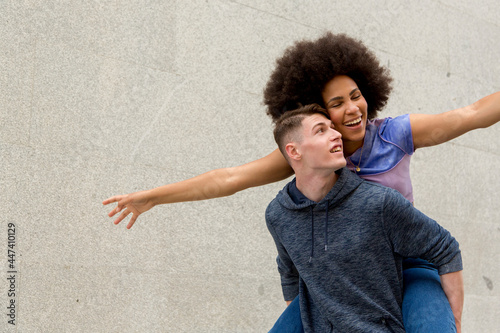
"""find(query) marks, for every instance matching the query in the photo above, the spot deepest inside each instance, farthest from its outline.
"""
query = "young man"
(341, 240)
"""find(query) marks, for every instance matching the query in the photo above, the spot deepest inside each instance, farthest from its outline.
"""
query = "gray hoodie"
(343, 255)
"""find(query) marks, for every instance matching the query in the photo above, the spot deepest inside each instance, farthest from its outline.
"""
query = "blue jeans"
(289, 321)
(425, 306)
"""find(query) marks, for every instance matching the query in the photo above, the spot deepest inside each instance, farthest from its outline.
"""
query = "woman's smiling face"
(348, 111)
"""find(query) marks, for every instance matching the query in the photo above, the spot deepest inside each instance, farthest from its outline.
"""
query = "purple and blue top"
(385, 155)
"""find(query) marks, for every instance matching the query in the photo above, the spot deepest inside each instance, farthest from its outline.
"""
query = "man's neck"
(315, 186)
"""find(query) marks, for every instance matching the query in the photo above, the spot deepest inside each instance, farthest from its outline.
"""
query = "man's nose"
(335, 135)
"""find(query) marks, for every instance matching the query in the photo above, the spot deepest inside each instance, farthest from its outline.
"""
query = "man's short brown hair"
(286, 127)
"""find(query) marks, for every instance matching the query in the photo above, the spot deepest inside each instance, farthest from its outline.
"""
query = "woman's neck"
(350, 147)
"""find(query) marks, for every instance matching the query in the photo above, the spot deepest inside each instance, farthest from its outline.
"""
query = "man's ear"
(292, 151)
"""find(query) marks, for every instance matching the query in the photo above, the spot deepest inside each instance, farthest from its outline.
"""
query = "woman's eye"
(356, 96)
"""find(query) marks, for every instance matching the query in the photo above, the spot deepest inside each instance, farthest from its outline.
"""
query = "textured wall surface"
(108, 97)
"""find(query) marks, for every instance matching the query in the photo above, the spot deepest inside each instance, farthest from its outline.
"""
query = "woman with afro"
(345, 77)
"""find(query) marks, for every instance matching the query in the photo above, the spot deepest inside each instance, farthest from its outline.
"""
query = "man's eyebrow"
(319, 124)
(340, 97)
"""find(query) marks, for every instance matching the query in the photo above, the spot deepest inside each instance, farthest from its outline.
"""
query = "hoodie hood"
(291, 198)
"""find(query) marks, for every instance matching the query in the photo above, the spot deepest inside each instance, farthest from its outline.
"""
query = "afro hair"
(306, 67)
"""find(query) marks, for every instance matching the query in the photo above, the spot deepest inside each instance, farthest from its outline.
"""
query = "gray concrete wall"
(107, 97)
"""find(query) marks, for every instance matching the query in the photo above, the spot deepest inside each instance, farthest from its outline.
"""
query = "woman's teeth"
(353, 122)
(335, 149)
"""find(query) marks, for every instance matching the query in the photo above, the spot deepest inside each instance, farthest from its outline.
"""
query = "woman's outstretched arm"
(430, 130)
(213, 184)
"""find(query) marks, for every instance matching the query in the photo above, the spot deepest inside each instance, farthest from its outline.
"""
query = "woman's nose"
(351, 107)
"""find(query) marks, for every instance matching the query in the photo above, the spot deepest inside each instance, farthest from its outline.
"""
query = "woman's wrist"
(153, 196)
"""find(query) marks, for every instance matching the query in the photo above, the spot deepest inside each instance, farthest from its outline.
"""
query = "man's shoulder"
(370, 192)
(372, 188)
(273, 205)
(388, 198)
(274, 208)
(281, 197)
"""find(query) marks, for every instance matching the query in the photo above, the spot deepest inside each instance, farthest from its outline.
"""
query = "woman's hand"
(133, 203)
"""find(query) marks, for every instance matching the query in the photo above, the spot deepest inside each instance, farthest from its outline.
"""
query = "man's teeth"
(336, 149)
(353, 122)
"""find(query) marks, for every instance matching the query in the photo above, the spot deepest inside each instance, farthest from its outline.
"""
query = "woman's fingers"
(115, 210)
(111, 200)
(122, 204)
(122, 215)
(132, 221)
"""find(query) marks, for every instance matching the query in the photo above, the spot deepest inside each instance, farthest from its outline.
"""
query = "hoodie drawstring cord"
(326, 226)
(312, 235)
(312, 231)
